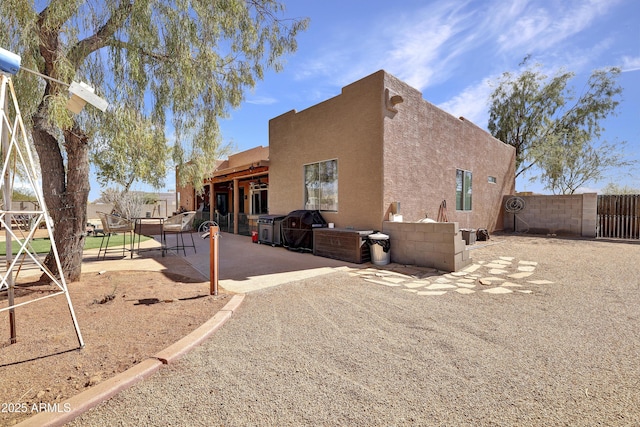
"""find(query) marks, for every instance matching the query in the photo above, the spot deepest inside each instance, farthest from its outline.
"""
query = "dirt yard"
(340, 350)
(124, 318)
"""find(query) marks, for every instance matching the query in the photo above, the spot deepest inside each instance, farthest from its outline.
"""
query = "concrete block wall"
(437, 244)
(94, 208)
(589, 214)
(568, 215)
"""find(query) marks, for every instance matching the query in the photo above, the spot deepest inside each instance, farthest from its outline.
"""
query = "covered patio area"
(235, 194)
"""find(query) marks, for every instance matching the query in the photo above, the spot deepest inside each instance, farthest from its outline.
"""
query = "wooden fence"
(619, 216)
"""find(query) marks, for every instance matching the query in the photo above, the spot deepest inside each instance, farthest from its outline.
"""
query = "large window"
(321, 186)
(463, 190)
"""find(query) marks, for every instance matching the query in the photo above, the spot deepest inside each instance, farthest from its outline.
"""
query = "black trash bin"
(297, 229)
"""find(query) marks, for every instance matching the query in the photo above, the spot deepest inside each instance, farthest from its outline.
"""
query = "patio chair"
(178, 225)
(112, 224)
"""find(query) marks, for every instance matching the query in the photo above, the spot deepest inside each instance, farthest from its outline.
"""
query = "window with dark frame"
(463, 190)
(259, 199)
(321, 186)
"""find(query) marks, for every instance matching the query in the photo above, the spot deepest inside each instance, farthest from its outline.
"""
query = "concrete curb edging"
(184, 345)
(82, 402)
(86, 400)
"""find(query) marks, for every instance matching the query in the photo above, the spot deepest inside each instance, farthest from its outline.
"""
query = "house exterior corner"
(378, 148)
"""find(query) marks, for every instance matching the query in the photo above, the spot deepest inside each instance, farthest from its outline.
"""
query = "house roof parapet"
(246, 163)
(249, 156)
(257, 168)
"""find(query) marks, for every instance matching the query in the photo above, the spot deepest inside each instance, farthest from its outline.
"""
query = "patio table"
(137, 229)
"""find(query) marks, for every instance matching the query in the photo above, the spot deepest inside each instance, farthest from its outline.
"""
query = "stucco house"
(235, 194)
(373, 154)
(378, 148)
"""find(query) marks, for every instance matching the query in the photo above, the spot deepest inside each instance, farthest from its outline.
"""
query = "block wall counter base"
(437, 244)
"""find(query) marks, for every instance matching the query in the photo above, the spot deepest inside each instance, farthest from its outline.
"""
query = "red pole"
(214, 233)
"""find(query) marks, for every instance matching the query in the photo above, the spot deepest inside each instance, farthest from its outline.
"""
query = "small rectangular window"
(492, 179)
(463, 190)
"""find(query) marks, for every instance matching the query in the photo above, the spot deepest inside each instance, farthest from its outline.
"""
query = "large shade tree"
(162, 64)
(555, 130)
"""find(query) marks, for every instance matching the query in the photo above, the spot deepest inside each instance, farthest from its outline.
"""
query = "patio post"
(212, 203)
(214, 234)
(236, 206)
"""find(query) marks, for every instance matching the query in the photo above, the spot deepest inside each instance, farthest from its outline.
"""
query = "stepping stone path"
(501, 276)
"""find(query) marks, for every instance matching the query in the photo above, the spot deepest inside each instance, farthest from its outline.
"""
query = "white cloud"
(418, 48)
(261, 100)
(471, 103)
(429, 46)
(526, 30)
(321, 64)
(423, 49)
(538, 29)
(583, 59)
(630, 63)
(586, 190)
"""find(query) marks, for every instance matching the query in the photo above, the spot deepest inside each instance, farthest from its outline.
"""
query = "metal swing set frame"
(16, 148)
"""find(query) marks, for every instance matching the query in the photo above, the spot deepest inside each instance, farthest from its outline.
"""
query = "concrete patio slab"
(246, 266)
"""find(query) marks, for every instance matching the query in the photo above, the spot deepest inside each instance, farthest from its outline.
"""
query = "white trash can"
(380, 248)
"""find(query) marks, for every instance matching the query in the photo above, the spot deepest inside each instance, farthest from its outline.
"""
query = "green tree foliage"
(614, 188)
(567, 166)
(555, 130)
(22, 195)
(178, 64)
(127, 204)
(128, 148)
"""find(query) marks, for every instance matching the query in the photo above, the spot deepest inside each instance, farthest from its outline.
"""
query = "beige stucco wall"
(409, 156)
(424, 146)
(348, 128)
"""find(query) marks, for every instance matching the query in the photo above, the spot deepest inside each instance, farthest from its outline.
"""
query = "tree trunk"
(66, 191)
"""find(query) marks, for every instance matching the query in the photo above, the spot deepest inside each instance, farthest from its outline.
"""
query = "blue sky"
(450, 51)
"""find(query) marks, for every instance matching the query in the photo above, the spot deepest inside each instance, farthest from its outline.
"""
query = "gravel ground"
(337, 350)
